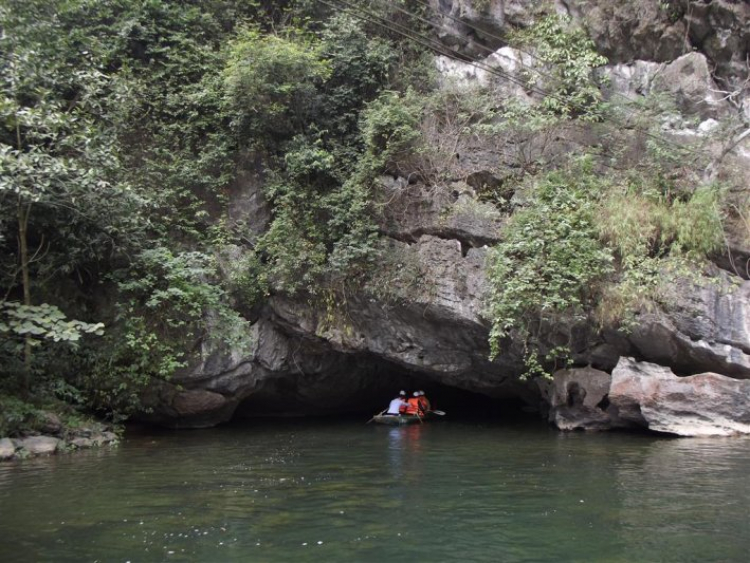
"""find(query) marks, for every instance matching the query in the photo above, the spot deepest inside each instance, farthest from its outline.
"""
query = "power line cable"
(488, 34)
(503, 40)
(436, 46)
(442, 49)
(466, 58)
(489, 50)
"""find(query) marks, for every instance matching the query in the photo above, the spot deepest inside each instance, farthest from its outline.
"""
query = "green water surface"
(341, 490)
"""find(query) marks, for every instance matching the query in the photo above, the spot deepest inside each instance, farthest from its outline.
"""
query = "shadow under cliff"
(283, 397)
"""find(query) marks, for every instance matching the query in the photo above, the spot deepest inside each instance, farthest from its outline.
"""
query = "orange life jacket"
(424, 403)
(413, 406)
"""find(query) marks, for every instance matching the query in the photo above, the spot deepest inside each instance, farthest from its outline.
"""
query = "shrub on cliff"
(550, 266)
(298, 99)
(591, 250)
(569, 58)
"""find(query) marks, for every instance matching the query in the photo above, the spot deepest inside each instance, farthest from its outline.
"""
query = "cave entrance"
(463, 404)
(366, 392)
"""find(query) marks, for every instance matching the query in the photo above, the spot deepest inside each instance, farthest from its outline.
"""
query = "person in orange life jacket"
(404, 407)
(413, 406)
(395, 406)
(424, 402)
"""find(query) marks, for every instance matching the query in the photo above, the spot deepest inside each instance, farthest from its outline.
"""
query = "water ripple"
(335, 490)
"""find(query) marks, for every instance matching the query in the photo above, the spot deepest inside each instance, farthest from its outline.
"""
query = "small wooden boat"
(398, 419)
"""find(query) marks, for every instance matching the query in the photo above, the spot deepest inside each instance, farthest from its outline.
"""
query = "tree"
(59, 191)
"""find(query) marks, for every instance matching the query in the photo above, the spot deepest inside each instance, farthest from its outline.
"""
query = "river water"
(342, 490)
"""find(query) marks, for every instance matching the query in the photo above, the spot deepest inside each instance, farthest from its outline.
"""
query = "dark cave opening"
(368, 392)
(464, 404)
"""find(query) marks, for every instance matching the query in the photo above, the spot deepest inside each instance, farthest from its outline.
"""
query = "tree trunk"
(23, 221)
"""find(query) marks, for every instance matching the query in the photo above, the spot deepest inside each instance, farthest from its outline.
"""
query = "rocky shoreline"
(68, 440)
(644, 395)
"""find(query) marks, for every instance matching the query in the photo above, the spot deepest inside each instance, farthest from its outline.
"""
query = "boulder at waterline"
(707, 404)
(7, 449)
(187, 408)
(578, 399)
(38, 445)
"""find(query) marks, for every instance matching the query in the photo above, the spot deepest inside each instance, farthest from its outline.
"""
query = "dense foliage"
(569, 86)
(590, 249)
(126, 125)
(550, 264)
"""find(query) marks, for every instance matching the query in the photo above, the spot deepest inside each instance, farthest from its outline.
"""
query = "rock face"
(412, 328)
(687, 80)
(469, 25)
(704, 328)
(578, 399)
(505, 60)
(191, 408)
(420, 321)
(650, 30)
(706, 404)
(649, 396)
(641, 29)
(719, 29)
(452, 212)
(247, 205)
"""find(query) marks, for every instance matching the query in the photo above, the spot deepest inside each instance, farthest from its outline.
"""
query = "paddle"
(439, 413)
(373, 418)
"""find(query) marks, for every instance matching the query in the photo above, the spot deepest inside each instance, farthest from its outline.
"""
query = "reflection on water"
(396, 453)
(404, 453)
(339, 490)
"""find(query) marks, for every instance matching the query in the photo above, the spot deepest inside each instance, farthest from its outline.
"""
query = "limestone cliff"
(421, 320)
